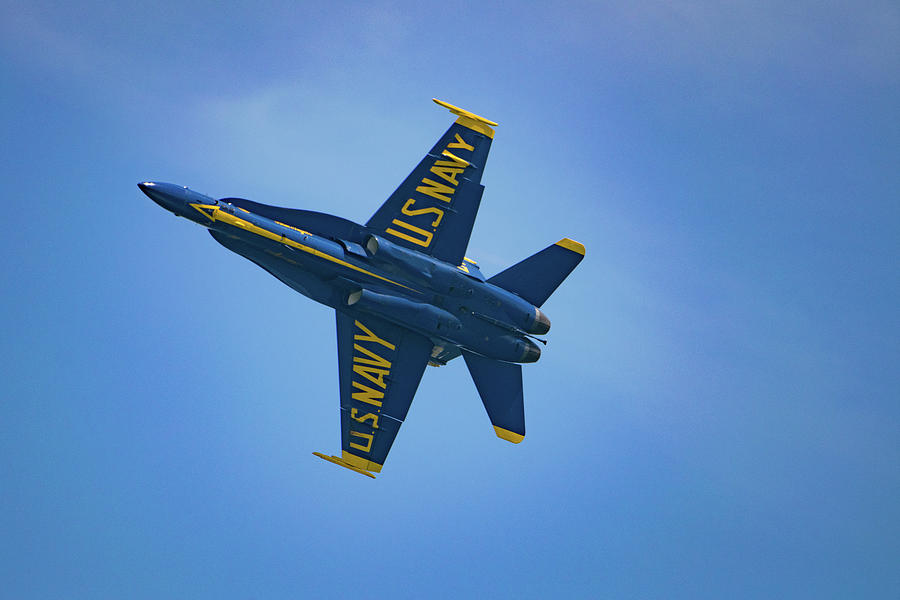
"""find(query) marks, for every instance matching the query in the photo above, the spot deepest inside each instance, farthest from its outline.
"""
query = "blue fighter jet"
(405, 296)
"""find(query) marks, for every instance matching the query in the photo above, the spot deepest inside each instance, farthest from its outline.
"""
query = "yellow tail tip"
(572, 245)
(509, 436)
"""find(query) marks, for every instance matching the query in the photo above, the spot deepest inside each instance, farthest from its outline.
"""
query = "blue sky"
(716, 414)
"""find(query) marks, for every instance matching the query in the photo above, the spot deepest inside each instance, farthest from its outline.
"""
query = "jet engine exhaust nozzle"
(532, 352)
(541, 323)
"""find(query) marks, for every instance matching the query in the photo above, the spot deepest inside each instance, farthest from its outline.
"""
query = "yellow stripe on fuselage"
(216, 214)
(292, 227)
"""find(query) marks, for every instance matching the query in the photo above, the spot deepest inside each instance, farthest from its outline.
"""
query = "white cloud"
(30, 37)
(855, 40)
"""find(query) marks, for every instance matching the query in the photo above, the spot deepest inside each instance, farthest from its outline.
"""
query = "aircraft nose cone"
(177, 199)
(152, 190)
(167, 195)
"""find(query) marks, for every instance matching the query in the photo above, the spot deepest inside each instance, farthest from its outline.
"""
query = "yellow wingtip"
(461, 112)
(359, 461)
(509, 436)
(572, 245)
(341, 462)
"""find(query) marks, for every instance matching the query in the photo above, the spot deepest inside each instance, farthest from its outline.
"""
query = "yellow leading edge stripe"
(571, 245)
(215, 214)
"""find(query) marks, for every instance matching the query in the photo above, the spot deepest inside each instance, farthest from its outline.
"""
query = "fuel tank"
(428, 319)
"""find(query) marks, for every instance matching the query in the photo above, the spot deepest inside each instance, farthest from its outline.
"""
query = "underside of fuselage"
(331, 275)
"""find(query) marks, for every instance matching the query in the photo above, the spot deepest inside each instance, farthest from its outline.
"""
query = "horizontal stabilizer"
(500, 387)
(537, 277)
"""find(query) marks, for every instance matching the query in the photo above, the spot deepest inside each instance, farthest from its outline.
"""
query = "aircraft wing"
(380, 366)
(434, 209)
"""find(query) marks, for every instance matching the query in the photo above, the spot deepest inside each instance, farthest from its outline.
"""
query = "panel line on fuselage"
(216, 214)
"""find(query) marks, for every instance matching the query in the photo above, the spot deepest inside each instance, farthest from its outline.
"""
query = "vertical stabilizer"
(538, 276)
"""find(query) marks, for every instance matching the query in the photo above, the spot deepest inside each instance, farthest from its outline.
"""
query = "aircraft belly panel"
(292, 275)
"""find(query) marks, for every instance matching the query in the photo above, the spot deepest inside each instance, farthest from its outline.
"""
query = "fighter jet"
(404, 293)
